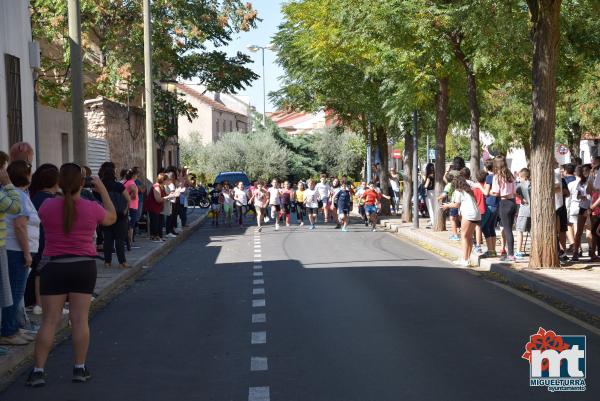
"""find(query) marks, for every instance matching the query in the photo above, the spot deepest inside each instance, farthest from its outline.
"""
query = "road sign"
(431, 154)
(397, 154)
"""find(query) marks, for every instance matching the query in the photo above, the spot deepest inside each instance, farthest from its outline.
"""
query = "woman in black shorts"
(69, 224)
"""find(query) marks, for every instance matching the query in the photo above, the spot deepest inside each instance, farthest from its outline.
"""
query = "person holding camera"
(69, 223)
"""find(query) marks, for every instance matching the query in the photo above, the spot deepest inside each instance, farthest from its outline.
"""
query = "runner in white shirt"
(324, 191)
(275, 202)
(241, 202)
(311, 200)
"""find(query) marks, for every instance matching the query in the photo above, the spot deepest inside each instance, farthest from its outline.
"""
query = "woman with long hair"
(260, 198)
(580, 205)
(69, 222)
(463, 199)
(503, 186)
(134, 203)
(429, 185)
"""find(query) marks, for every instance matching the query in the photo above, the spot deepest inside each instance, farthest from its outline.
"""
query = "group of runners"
(333, 199)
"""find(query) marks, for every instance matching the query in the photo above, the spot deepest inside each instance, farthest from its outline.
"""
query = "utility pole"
(415, 168)
(79, 132)
(264, 79)
(369, 161)
(148, 95)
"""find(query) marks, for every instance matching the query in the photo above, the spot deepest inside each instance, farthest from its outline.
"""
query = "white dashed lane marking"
(259, 317)
(257, 267)
(258, 337)
(258, 303)
(258, 363)
(259, 394)
(258, 291)
(257, 274)
(258, 282)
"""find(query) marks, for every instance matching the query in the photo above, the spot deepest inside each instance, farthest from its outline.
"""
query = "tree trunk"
(384, 181)
(545, 16)
(455, 39)
(407, 194)
(441, 131)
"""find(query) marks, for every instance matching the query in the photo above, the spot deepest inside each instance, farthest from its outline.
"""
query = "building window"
(218, 126)
(12, 67)
(230, 126)
(170, 157)
(224, 126)
(64, 145)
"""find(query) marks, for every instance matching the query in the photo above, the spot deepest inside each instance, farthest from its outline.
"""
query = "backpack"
(120, 203)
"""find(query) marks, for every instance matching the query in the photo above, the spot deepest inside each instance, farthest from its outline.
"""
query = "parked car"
(233, 177)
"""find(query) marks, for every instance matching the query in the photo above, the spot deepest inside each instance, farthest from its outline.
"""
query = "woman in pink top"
(69, 225)
(503, 186)
(132, 189)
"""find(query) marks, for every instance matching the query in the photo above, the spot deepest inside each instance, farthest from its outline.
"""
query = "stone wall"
(122, 129)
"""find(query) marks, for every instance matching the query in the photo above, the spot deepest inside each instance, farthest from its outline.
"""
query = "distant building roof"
(215, 105)
(298, 123)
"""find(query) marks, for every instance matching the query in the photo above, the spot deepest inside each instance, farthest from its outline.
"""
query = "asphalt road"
(355, 316)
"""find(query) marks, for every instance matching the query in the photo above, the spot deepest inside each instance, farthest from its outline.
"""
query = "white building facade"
(17, 57)
(218, 114)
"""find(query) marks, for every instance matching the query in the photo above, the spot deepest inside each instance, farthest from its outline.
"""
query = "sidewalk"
(108, 283)
(577, 284)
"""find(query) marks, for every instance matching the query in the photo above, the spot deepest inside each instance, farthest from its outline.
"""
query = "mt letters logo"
(556, 362)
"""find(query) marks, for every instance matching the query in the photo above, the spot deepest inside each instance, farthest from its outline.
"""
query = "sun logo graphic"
(556, 361)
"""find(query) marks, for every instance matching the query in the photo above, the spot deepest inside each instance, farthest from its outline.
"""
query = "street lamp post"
(254, 49)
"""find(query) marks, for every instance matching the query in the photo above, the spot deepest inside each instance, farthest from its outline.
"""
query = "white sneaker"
(171, 235)
(37, 310)
(276, 227)
(463, 263)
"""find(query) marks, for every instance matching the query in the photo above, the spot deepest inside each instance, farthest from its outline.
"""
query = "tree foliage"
(270, 153)
(187, 37)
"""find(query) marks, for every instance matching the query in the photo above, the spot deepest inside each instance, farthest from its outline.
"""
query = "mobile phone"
(87, 182)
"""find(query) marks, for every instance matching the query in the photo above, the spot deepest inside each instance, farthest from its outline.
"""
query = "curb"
(544, 286)
(541, 284)
(14, 365)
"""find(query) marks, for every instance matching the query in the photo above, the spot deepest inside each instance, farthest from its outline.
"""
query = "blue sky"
(270, 13)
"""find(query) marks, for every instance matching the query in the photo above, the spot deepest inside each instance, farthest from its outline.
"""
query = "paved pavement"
(143, 254)
(300, 315)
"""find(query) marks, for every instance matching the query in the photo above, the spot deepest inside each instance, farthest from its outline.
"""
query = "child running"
(335, 188)
(361, 202)
(324, 190)
(342, 202)
(275, 202)
(216, 202)
(260, 199)
(241, 202)
(287, 195)
(300, 208)
(372, 200)
(227, 203)
(311, 200)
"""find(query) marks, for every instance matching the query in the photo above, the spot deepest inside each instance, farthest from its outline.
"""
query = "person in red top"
(372, 200)
(481, 205)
